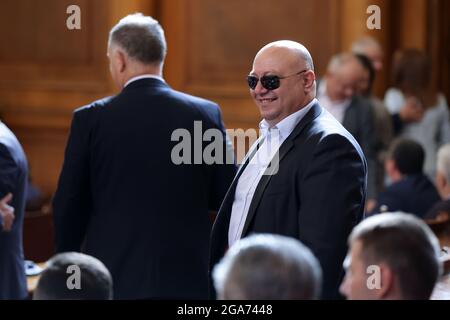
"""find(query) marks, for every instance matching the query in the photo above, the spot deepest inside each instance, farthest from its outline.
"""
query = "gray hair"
(141, 37)
(407, 245)
(360, 45)
(95, 279)
(271, 267)
(443, 161)
(341, 59)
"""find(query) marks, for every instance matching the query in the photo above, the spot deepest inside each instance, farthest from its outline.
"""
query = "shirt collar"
(287, 125)
(144, 76)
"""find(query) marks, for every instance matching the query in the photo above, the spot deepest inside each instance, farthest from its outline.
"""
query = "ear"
(387, 282)
(440, 180)
(120, 60)
(389, 165)
(308, 80)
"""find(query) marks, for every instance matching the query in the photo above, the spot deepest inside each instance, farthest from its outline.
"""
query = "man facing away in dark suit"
(13, 182)
(315, 189)
(122, 197)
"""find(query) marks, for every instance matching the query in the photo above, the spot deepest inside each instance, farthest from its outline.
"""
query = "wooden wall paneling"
(212, 45)
(48, 71)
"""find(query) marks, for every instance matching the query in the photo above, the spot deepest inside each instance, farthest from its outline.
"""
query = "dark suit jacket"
(414, 194)
(359, 120)
(13, 178)
(317, 196)
(119, 192)
(441, 206)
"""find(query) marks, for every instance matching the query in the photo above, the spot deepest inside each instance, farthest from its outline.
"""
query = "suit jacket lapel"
(272, 169)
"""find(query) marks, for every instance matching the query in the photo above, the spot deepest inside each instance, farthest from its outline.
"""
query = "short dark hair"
(95, 279)
(141, 37)
(268, 267)
(408, 156)
(411, 71)
(367, 64)
(407, 245)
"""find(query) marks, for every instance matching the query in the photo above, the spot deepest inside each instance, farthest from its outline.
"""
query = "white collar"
(144, 76)
(288, 124)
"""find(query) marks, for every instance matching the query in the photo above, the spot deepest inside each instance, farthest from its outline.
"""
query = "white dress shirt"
(144, 76)
(272, 138)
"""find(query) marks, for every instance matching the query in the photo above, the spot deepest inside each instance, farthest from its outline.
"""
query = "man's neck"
(137, 76)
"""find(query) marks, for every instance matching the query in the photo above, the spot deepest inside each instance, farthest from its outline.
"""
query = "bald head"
(289, 65)
(290, 49)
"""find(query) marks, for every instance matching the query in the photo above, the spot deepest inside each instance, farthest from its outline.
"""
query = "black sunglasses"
(269, 82)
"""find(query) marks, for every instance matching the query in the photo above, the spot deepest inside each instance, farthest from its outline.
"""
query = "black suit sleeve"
(332, 199)
(368, 145)
(72, 201)
(9, 172)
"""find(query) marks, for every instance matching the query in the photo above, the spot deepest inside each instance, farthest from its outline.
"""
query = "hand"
(370, 205)
(7, 213)
(412, 111)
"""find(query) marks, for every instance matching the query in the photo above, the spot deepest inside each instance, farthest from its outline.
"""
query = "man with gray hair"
(121, 196)
(268, 267)
(442, 183)
(74, 276)
(392, 256)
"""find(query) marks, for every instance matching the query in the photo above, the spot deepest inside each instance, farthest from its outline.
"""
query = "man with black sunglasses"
(314, 187)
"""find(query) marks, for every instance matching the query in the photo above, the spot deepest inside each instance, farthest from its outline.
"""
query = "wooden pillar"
(412, 18)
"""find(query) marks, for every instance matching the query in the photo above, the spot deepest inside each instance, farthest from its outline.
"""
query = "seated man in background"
(13, 182)
(268, 267)
(59, 279)
(442, 183)
(392, 256)
(411, 190)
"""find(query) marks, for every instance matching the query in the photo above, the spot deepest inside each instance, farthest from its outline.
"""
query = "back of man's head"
(407, 155)
(74, 276)
(269, 267)
(141, 37)
(407, 246)
(369, 47)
